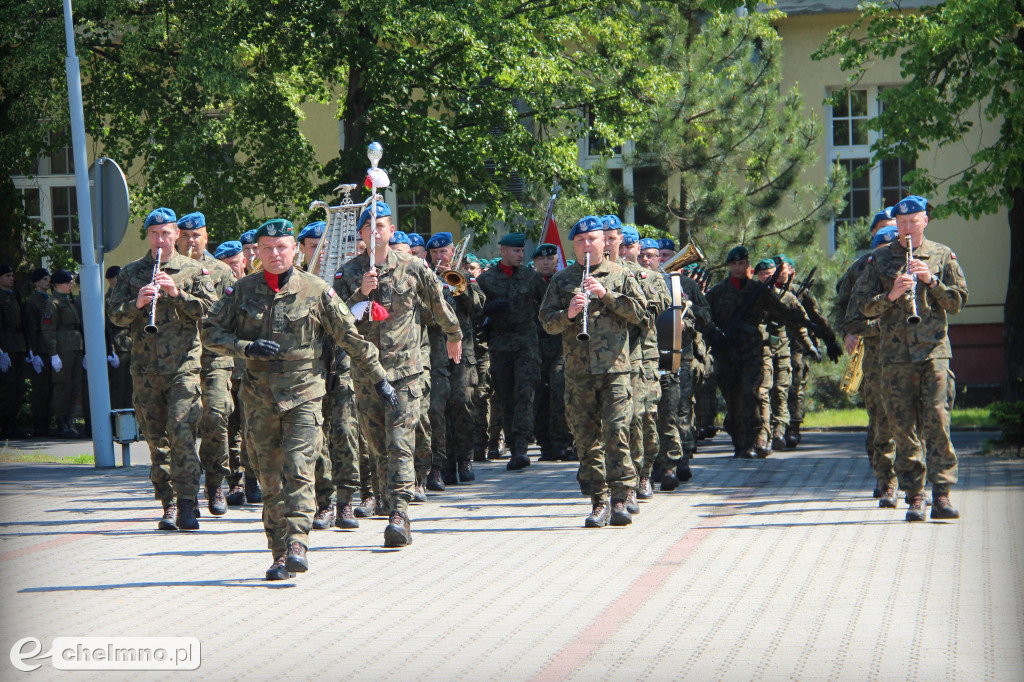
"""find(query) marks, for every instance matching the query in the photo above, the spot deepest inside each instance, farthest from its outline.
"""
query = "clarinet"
(584, 335)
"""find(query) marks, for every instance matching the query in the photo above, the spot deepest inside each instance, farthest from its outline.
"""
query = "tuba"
(688, 255)
(854, 374)
(452, 277)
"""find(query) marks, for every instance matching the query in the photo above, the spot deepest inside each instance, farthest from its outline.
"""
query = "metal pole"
(90, 275)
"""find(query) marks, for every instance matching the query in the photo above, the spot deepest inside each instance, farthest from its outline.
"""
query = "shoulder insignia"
(205, 271)
(339, 274)
(952, 254)
(871, 258)
(330, 292)
(643, 275)
(46, 317)
(229, 291)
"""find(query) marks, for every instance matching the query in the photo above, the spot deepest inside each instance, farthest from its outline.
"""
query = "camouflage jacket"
(222, 278)
(32, 318)
(119, 339)
(61, 326)
(849, 318)
(902, 342)
(699, 313)
(467, 309)
(404, 287)
(640, 335)
(176, 346)
(800, 337)
(607, 351)
(12, 332)
(748, 337)
(296, 317)
(525, 291)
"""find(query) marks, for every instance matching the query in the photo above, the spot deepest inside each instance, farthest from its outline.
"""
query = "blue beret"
(399, 237)
(887, 234)
(248, 237)
(314, 230)
(737, 253)
(630, 235)
(586, 224)
(514, 239)
(439, 240)
(192, 221)
(666, 243)
(159, 216)
(545, 250)
(911, 204)
(278, 227)
(611, 222)
(63, 276)
(883, 215)
(648, 243)
(228, 249)
(382, 210)
(764, 264)
(415, 239)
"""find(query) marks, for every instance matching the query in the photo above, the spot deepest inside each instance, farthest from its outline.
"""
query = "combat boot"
(277, 570)
(419, 492)
(878, 490)
(683, 473)
(346, 518)
(796, 434)
(790, 437)
(569, 454)
(707, 432)
(324, 518)
(296, 561)
(620, 515)
(669, 481)
(236, 496)
(778, 442)
(382, 510)
(367, 507)
(435, 482)
(887, 498)
(917, 506)
(519, 458)
(479, 453)
(645, 491)
(449, 475)
(747, 453)
(195, 507)
(186, 517)
(941, 507)
(215, 501)
(253, 494)
(398, 532)
(598, 516)
(170, 516)
(466, 473)
(763, 451)
(632, 505)
(548, 454)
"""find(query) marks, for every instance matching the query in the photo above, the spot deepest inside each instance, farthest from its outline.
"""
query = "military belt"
(276, 366)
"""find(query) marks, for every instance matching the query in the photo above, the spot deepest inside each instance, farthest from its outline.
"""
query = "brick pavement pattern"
(757, 570)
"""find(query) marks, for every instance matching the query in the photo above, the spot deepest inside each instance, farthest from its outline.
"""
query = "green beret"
(278, 227)
(514, 239)
(786, 259)
(764, 264)
(545, 250)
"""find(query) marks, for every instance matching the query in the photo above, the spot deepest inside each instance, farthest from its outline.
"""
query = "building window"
(870, 187)
(48, 193)
(413, 215)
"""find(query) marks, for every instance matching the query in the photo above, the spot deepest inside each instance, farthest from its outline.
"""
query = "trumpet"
(584, 334)
(151, 328)
(452, 277)
(913, 318)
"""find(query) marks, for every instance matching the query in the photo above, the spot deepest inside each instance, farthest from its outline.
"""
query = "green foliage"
(1010, 418)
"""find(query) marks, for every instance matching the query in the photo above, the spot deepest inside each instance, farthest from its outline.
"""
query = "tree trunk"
(1013, 319)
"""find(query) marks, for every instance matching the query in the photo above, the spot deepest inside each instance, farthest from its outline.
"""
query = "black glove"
(835, 351)
(502, 306)
(814, 352)
(717, 338)
(387, 393)
(814, 329)
(262, 348)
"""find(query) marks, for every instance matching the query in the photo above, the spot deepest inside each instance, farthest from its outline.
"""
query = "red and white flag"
(550, 236)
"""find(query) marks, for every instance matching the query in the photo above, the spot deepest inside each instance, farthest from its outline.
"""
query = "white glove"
(5, 361)
(36, 361)
(55, 363)
(113, 361)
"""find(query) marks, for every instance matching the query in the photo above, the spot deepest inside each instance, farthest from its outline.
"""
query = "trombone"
(151, 328)
(452, 277)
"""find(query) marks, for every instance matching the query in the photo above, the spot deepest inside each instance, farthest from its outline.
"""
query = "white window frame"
(45, 182)
(846, 152)
(586, 160)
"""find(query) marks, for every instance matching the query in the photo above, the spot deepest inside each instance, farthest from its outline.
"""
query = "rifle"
(806, 283)
(725, 333)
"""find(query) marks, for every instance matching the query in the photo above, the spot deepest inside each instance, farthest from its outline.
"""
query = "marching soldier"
(550, 427)
(165, 364)
(275, 321)
(63, 343)
(385, 296)
(666, 249)
(514, 294)
(215, 371)
(597, 368)
(915, 353)
(119, 343)
(778, 375)
(12, 355)
(41, 375)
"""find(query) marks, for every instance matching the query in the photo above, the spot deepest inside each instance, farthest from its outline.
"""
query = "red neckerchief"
(275, 282)
(736, 282)
(509, 270)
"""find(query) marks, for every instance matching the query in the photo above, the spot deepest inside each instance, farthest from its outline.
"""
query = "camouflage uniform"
(423, 451)
(778, 375)
(915, 359)
(165, 368)
(404, 286)
(282, 397)
(341, 428)
(705, 388)
(549, 425)
(514, 349)
(482, 396)
(12, 342)
(42, 386)
(61, 329)
(597, 385)
(238, 450)
(119, 343)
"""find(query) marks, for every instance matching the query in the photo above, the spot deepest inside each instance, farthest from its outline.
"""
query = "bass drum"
(670, 325)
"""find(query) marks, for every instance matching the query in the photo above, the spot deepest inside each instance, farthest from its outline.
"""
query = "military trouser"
(281, 442)
(916, 397)
(643, 431)
(440, 393)
(705, 392)
(550, 427)
(120, 378)
(12, 388)
(801, 372)
(367, 471)
(600, 409)
(423, 450)
(515, 375)
(739, 380)
(763, 433)
(670, 447)
(684, 422)
(482, 401)
(42, 396)
(879, 444)
(238, 451)
(323, 469)
(649, 420)
(391, 437)
(167, 408)
(341, 430)
(782, 378)
(213, 425)
(462, 383)
(66, 385)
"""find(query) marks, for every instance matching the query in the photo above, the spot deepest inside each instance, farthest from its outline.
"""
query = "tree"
(963, 61)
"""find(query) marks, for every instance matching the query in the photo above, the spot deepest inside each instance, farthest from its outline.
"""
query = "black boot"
(186, 518)
(479, 453)
(466, 473)
(236, 496)
(449, 475)
(683, 472)
(215, 501)
(277, 570)
(398, 532)
(296, 561)
(346, 518)
(253, 495)
(435, 482)
(620, 516)
(790, 437)
(669, 481)
(519, 459)
(779, 442)
(170, 516)
(916, 511)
